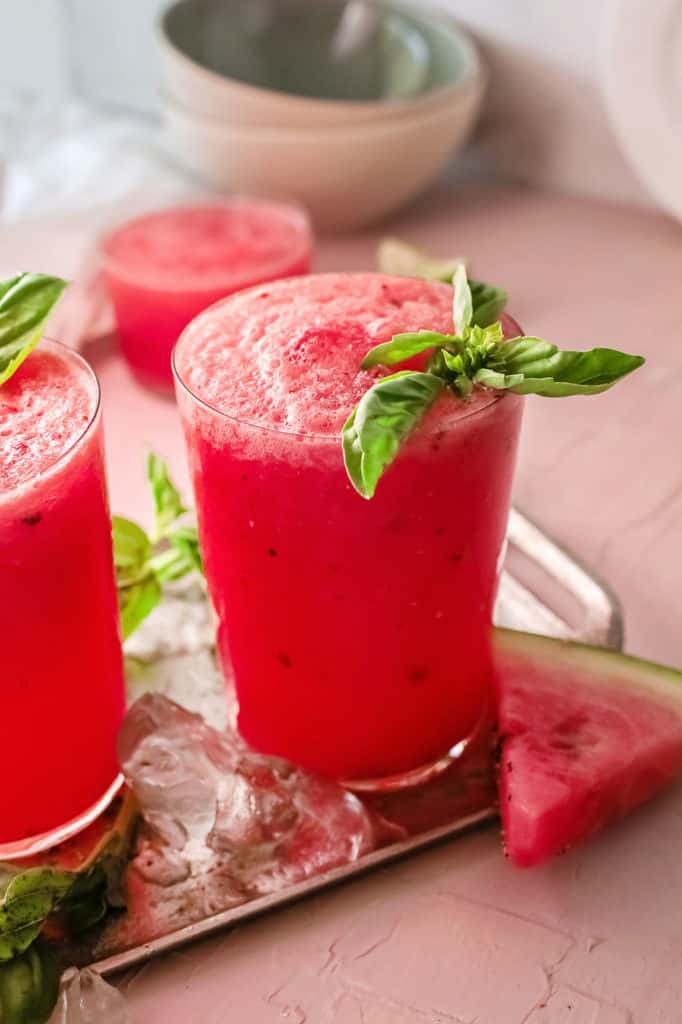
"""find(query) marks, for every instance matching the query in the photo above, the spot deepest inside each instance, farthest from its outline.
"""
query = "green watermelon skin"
(585, 736)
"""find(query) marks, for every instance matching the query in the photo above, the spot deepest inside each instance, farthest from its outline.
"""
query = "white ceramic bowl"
(346, 176)
(432, 63)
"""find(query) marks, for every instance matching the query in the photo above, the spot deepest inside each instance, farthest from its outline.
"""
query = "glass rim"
(47, 343)
(493, 398)
(290, 210)
(20, 849)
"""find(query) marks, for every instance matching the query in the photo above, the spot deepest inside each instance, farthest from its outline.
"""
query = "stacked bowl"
(349, 106)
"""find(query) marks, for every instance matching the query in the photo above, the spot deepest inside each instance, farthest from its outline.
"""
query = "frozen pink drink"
(62, 673)
(358, 631)
(164, 268)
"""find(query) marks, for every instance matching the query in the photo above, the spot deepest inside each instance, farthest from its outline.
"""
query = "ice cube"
(255, 807)
(159, 863)
(301, 825)
(85, 998)
(211, 805)
(162, 752)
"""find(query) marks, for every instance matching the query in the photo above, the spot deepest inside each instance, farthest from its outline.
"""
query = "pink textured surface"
(456, 935)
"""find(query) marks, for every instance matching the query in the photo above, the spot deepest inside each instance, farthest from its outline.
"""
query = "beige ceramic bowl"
(430, 62)
(346, 176)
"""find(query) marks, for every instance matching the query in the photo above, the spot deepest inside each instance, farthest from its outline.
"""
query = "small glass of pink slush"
(358, 631)
(164, 268)
(61, 685)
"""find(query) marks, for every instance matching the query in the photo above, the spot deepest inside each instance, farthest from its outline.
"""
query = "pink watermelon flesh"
(586, 735)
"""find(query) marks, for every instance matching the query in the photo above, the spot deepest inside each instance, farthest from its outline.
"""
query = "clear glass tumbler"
(62, 684)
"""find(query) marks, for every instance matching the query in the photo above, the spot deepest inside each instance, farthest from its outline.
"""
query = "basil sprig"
(26, 302)
(145, 561)
(475, 355)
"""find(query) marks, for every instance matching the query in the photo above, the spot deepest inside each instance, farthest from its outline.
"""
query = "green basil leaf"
(463, 385)
(179, 558)
(29, 986)
(454, 361)
(549, 388)
(29, 898)
(168, 504)
(436, 363)
(86, 903)
(132, 549)
(404, 346)
(380, 423)
(404, 260)
(488, 336)
(500, 381)
(7, 873)
(136, 602)
(171, 564)
(186, 540)
(554, 373)
(488, 302)
(7, 285)
(516, 354)
(26, 302)
(462, 303)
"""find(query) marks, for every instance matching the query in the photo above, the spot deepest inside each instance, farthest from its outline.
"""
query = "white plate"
(642, 80)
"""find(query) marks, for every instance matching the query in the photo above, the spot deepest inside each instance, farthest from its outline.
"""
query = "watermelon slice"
(586, 735)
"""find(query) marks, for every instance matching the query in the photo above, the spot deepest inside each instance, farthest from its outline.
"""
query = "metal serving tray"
(543, 590)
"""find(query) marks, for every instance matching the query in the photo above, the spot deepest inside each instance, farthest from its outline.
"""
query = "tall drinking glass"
(62, 683)
(358, 631)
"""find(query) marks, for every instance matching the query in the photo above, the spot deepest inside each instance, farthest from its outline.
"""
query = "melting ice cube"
(265, 823)
(85, 998)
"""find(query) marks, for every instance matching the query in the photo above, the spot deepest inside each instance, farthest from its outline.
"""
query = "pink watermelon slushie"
(358, 631)
(164, 268)
(62, 673)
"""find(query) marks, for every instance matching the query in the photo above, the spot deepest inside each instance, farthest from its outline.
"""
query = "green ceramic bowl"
(326, 50)
(282, 62)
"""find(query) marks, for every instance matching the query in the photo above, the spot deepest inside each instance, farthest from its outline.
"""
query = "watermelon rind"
(661, 681)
